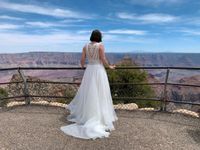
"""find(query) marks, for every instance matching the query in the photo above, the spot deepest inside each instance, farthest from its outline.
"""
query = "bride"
(92, 109)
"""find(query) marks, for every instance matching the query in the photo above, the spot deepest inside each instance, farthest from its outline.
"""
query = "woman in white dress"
(92, 108)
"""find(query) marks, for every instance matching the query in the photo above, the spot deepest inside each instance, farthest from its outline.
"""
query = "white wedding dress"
(92, 108)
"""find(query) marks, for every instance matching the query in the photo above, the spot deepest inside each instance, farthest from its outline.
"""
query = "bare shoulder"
(101, 46)
(84, 47)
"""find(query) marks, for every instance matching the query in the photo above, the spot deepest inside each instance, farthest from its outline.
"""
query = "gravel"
(37, 127)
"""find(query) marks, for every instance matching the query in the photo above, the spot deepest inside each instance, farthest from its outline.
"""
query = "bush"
(69, 92)
(3, 94)
(128, 90)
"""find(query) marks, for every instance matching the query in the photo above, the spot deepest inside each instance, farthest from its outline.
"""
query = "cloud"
(45, 24)
(125, 31)
(9, 26)
(155, 2)
(110, 38)
(84, 31)
(192, 21)
(190, 32)
(117, 31)
(64, 39)
(48, 11)
(71, 20)
(71, 42)
(22, 42)
(10, 17)
(148, 18)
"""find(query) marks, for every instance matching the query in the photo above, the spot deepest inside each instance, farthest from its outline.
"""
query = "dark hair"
(96, 36)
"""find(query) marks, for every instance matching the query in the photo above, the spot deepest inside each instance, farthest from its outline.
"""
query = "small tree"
(129, 90)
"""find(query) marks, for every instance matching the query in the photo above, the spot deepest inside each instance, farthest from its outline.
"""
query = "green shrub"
(128, 90)
(70, 93)
(3, 94)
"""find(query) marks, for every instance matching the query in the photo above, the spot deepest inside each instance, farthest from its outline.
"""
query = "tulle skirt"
(92, 108)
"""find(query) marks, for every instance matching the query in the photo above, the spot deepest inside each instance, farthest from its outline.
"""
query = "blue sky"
(127, 25)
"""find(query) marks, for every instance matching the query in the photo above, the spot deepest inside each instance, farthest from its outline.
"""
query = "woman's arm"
(103, 57)
(83, 57)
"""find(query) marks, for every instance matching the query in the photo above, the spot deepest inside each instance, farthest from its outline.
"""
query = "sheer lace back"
(92, 53)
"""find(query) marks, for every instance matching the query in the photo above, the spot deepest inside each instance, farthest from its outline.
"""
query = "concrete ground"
(37, 127)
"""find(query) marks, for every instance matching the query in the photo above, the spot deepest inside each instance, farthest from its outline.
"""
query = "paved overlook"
(38, 127)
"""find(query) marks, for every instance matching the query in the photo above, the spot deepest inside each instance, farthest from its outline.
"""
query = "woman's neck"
(93, 42)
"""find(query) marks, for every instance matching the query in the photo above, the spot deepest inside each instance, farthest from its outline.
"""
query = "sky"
(126, 25)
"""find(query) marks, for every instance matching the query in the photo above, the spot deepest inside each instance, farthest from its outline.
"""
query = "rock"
(130, 106)
(187, 112)
(147, 109)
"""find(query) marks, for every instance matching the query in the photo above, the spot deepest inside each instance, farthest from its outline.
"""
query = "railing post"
(164, 98)
(25, 90)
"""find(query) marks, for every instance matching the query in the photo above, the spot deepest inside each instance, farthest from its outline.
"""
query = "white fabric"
(92, 108)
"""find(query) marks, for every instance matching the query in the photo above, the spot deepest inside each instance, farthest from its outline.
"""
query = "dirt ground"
(37, 127)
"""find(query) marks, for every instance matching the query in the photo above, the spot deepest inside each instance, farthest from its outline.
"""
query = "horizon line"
(105, 52)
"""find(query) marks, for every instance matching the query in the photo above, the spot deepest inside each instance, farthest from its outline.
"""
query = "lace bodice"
(92, 53)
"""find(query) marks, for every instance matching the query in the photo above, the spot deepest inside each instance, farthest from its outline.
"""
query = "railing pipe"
(164, 99)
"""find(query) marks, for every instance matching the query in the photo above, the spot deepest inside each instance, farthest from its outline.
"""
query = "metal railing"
(162, 99)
